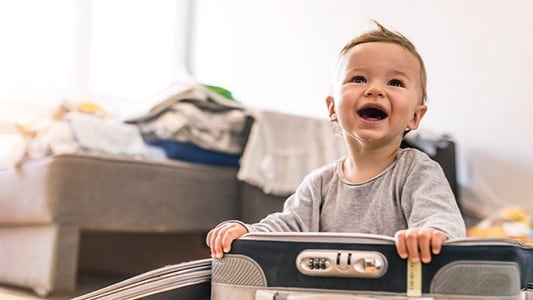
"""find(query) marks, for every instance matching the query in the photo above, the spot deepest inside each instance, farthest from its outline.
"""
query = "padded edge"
(477, 278)
(236, 269)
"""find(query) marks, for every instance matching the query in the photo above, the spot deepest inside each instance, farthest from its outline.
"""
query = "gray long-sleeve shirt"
(412, 192)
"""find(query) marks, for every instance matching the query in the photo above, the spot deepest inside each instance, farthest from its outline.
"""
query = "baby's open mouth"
(372, 114)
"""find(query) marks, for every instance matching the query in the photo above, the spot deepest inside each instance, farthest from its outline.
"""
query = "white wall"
(278, 54)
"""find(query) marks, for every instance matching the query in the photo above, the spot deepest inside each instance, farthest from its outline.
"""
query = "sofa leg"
(40, 257)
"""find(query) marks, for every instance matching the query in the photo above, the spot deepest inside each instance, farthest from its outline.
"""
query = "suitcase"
(361, 266)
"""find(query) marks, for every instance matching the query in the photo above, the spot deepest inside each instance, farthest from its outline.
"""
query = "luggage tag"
(414, 279)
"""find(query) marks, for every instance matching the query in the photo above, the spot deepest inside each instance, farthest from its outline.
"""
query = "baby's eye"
(396, 82)
(358, 79)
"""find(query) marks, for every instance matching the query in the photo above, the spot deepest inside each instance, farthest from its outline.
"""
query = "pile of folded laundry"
(197, 123)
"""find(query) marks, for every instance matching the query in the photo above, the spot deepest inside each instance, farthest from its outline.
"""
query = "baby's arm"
(419, 243)
(219, 239)
(427, 203)
(297, 216)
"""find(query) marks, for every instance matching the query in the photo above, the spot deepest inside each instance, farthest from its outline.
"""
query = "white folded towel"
(282, 149)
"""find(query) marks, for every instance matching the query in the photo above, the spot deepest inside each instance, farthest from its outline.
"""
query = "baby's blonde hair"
(382, 34)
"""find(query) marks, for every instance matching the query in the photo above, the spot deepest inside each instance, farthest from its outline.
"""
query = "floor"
(11, 293)
(86, 283)
(124, 253)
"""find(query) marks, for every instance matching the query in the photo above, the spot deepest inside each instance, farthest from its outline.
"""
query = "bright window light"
(115, 52)
(36, 43)
(35, 56)
(132, 47)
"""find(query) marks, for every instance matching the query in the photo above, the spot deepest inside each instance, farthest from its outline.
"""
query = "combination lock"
(317, 263)
(341, 263)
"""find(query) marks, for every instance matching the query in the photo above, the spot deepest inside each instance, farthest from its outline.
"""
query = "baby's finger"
(401, 248)
(227, 239)
(437, 239)
(411, 238)
(216, 248)
(424, 241)
(234, 232)
(208, 238)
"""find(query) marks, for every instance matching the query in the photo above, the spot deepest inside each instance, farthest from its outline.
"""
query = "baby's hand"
(419, 243)
(219, 239)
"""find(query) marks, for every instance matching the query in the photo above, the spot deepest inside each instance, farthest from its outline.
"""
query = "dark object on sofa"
(444, 155)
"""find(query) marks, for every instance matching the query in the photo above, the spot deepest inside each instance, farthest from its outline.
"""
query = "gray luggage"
(355, 266)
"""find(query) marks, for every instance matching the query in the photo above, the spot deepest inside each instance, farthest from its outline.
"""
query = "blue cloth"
(192, 153)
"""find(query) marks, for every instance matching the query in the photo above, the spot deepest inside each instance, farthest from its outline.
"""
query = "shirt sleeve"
(428, 201)
(300, 212)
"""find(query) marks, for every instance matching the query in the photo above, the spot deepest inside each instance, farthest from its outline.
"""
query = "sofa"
(64, 213)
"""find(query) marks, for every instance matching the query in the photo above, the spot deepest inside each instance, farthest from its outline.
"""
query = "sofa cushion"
(103, 192)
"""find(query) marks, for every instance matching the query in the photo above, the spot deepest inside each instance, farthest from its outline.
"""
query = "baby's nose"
(374, 91)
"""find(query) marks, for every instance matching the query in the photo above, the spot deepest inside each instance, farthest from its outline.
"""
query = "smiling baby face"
(378, 93)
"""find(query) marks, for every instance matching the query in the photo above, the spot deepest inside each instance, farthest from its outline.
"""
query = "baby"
(378, 95)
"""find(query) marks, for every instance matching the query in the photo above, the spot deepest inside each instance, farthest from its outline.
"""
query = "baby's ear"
(330, 103)
(420, 111)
